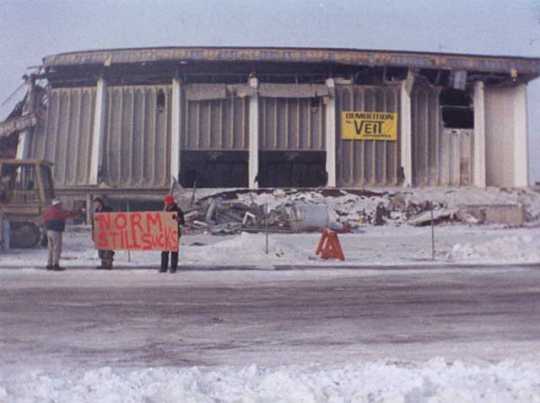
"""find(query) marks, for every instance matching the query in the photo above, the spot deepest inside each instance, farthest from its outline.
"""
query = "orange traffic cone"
(329, 246)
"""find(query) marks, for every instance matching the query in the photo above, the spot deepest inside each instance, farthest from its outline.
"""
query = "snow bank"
(247, 249)
(434, 381)
(455, 197)
(384, 245)
(509, 249)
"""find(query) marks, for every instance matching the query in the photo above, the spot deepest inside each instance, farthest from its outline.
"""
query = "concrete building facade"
(128, 121)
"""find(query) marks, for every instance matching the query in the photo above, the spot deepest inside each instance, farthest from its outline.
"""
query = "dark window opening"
(379, 75)
(292, 169)
(368, 76)
(457, 110)
(395, 74)
(214, 169)
(8, 145)
(46, 177)
(160, 101)
(455, 98)
(435, 77)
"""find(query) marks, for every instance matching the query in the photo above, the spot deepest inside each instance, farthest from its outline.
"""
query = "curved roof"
(449, 61)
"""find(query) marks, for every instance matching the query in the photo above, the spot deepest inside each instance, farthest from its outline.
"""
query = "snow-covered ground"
(387, 245)
(381, 382)
(374, 336)
(523, 247)
(492, 375)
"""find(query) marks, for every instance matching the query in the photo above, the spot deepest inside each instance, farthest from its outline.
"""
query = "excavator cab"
(26, 189)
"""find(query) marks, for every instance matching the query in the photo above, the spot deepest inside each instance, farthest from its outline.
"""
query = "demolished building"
(126, 122)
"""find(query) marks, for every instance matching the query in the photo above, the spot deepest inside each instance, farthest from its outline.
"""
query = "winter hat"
(56, 202)
(168, 200)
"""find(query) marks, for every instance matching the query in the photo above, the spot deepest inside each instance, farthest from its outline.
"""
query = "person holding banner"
(171, 206)
(106, 256)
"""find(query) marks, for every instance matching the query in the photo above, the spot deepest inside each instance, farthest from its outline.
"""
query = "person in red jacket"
(54, 219)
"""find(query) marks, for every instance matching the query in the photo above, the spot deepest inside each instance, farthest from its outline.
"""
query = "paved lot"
(141, 318)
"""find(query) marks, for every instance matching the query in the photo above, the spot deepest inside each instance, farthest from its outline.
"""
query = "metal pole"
(432, 234)
(128, 252)
(89, 212)
(266, 226)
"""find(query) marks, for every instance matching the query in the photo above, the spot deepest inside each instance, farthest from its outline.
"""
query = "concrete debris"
(470, 216)
(305, 217)
(226, 229)
(249, 218)
(508, 214)
(437, 216)
(198, 224)
(291, 210)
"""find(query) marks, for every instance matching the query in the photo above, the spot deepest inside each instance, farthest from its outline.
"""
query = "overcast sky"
(30, 30)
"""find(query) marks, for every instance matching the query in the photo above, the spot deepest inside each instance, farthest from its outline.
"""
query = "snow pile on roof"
(434, 381)
(510, 249)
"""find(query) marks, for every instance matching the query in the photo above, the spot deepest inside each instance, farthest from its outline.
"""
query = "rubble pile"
(291, 210)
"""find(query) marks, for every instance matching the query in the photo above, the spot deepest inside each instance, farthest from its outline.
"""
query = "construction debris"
(426, 217)
(291, 210)
(508, 214)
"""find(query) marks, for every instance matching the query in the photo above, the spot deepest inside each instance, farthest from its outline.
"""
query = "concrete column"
(98, 134)
(253, 134)
(176, 130)
(406, 131)
(330, 111)
(23, 144)
(521, 148)
(25, 137)
(479, 169)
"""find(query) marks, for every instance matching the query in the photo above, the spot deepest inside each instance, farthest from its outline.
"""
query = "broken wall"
(215, 124)
(506, 136)
(137, 137)
(214, 137)
(64, 136)
(292, 139)
(291, 124)
(361, 163)
(442, 156)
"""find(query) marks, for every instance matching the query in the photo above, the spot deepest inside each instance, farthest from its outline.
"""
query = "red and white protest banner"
(138, 230)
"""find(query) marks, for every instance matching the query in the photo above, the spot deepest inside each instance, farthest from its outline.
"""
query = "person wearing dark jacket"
(106, 256)
(170, 205)
(54, 219)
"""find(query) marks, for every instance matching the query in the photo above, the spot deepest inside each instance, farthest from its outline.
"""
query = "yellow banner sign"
(369, 126)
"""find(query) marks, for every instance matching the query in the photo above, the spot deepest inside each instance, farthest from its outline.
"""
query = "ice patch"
(434, 381)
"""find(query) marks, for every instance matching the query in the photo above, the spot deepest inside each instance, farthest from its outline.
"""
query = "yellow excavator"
(26, 189)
